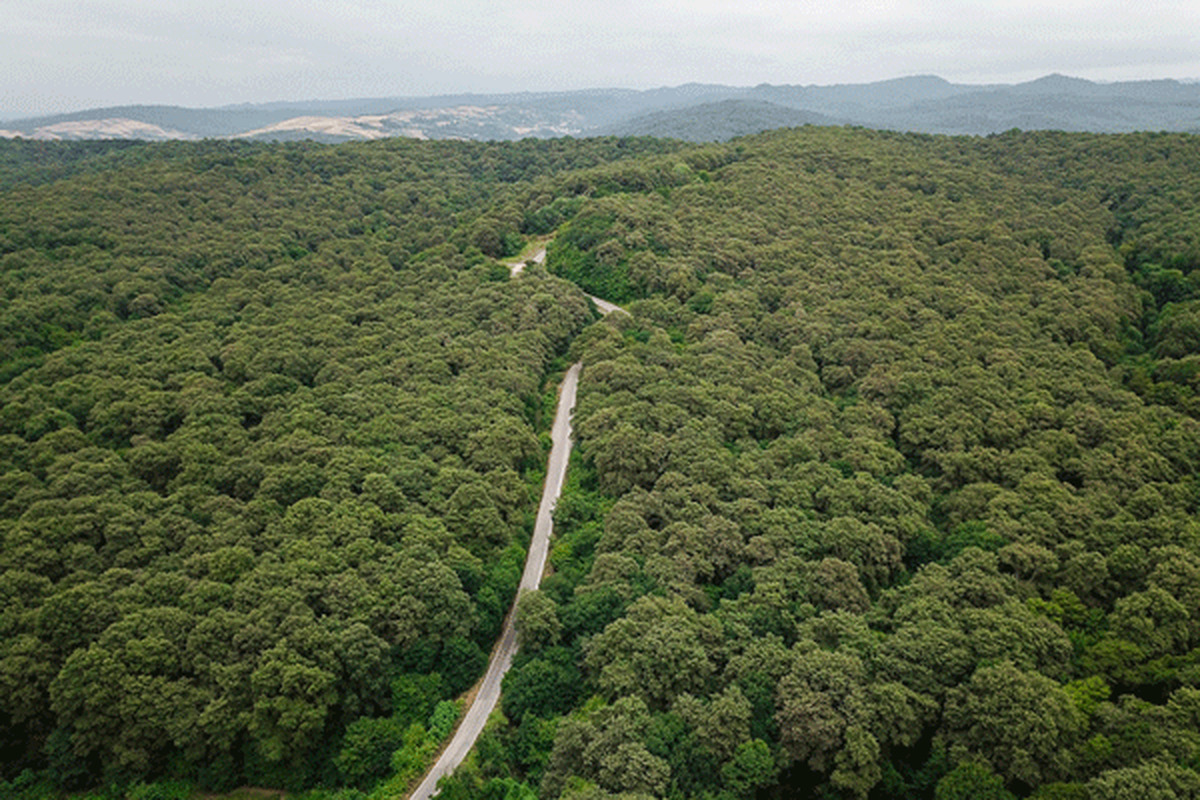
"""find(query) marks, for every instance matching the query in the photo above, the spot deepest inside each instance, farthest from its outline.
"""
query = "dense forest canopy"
(269, 453)
(886, 487)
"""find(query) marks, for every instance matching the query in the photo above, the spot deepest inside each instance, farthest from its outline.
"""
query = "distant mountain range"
(697, 112)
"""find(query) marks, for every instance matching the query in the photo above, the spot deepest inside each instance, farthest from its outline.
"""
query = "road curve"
(535, 563)
(515, 268)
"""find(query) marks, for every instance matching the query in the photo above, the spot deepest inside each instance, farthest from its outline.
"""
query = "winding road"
(535, 564)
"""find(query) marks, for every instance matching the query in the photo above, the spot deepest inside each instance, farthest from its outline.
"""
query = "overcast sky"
(58, 55)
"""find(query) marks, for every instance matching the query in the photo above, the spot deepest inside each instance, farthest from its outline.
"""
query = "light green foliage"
(972, 780)
(543, 686)
(443, 719)
(1021, 722)
(605, 747)
(1088, 694)
(413, 756)
(1152, 780)
(857, 768)
(659, 650)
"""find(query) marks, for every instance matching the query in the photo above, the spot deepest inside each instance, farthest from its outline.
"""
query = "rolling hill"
(719, 121)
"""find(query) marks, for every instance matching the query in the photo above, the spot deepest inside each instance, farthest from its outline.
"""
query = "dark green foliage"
(871, 422)
(367, 749)
(167, 790)
(970, 780)
(463, 661)
(751, 767)
(33, 162)
(608, 280)
(542, 686)
(464, 786)
(414, 697)
(928, 546)
(720, 121)
(531, 745)
(887, 485)
(545, 219)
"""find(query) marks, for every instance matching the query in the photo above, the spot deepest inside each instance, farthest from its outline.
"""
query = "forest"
(886, 487)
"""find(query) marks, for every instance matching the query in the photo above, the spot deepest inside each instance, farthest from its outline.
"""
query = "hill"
(716, 122)
(1053, 103)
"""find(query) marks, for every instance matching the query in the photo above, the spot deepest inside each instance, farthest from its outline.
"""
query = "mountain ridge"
(918, 103)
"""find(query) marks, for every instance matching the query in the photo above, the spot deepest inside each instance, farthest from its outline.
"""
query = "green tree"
(972, 779)
(1022, 722)
(537, 621)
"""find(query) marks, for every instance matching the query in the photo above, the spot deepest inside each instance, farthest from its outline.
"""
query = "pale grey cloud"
(63, 54)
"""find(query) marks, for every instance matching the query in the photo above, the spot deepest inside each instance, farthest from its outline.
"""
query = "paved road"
(605, 306)
(535, 564)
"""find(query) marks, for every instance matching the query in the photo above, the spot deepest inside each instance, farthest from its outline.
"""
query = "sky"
(63, 55)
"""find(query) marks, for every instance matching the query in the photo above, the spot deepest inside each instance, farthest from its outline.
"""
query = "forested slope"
(888, 486)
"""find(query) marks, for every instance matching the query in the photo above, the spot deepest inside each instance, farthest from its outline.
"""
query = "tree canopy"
(885, 487)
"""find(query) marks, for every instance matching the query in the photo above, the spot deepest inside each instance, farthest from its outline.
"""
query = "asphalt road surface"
(605, 306)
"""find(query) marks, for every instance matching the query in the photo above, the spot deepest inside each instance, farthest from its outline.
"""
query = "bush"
(411, 760)
(367, 750)
(442, 720)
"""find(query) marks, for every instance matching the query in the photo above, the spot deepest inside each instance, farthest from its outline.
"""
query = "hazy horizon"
(14, 117)
(65, 56)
